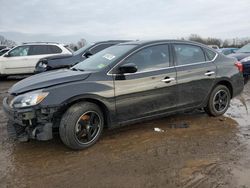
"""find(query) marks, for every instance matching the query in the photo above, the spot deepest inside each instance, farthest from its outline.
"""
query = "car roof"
(112, 41)
(148, 42)
(40, 43)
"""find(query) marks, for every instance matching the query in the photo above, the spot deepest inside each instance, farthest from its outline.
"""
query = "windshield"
(103, 58)
(245, 49)
(81, 50)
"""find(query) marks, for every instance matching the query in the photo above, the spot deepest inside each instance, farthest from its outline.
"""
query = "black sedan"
(66, 61)
(120, 85)
(243, 55)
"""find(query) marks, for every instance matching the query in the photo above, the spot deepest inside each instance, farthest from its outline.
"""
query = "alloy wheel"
(87, 127)
(221, 101)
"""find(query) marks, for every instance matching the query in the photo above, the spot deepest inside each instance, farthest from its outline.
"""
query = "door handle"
(209, 73)
(168, 79)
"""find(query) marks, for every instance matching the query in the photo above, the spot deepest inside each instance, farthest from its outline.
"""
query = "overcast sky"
(136, 19)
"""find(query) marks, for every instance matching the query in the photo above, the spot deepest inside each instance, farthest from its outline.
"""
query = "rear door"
(149, 91)
(37, 52)
(195, 74)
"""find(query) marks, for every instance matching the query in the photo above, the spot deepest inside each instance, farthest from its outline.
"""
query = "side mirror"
(127, 68)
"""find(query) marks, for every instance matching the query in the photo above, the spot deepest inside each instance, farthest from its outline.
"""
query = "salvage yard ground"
(208, 152)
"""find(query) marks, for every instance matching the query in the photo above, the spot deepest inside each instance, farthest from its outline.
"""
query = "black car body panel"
(48, 79)
(65, 61)
(130, 97)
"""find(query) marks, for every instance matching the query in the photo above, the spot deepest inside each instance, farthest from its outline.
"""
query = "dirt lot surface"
(209, 152)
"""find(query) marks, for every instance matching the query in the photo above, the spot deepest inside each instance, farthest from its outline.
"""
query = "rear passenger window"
(38, 50)
(150, 58)
(44, 49)
(187, 54)
(54, 49)
(210, 54)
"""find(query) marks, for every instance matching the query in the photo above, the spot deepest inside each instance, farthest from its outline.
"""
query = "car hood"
(48, 79)
(54, 63)
(239, 56)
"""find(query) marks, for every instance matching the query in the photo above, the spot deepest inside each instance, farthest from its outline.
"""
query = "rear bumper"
(238, 84)
(33, 123)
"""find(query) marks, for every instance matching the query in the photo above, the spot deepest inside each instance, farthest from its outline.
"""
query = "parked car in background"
(3, 51)
(22, 59)
(2, 47)
(243, 55)
(227, 51)
(66, 61)
(119, 85)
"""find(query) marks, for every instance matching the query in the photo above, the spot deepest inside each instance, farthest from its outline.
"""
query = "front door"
(149, 91)
(18, 61)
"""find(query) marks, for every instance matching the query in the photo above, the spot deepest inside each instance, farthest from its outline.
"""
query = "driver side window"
(150, 58)
(19, 51)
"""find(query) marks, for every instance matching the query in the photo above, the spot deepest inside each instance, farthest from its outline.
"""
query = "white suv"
(23, 59)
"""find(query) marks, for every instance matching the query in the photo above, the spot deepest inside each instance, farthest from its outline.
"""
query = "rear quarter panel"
(227, 71)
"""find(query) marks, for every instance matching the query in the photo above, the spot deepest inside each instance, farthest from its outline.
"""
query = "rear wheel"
(219, 101)
(81, 125)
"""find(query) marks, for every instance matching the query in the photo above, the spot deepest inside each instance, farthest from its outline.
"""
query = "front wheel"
(81, 125)
(219, 101)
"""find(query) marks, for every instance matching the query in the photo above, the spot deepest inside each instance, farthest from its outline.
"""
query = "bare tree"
(81, 43)
(6, 42)
(213, 41)
(196, 38)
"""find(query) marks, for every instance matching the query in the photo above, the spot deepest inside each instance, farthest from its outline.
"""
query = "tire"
(219, 101)
(76, 125)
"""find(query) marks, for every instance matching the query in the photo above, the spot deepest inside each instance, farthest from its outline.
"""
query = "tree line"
(237, 42)
(227, 43)
(6, 42)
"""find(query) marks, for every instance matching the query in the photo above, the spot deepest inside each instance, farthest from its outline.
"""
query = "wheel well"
(227, 84)
(102, 106)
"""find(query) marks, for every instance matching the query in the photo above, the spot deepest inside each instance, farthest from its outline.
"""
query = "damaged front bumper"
(29, 123)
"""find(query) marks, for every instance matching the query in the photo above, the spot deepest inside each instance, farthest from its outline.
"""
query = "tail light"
(239, 66)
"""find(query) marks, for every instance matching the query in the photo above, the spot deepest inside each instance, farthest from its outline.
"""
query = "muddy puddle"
(239, 111)
(192, 150)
